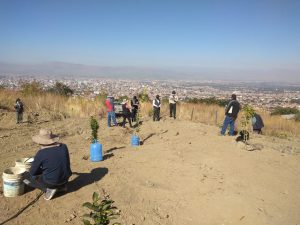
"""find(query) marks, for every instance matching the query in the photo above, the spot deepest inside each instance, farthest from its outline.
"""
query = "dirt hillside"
(183, 174)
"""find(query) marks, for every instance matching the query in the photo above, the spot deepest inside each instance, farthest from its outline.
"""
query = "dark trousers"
(134, 113)
(156, 114)
(19, 117)
(37, 182)
(173, 110)
(128, 117)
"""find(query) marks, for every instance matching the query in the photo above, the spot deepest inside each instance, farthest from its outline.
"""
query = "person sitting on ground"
(231, 113)
(110, 107)
(50, 170)
(126, 112)
(19, 110)
(257, 123)
(156, 108)
(173, 99)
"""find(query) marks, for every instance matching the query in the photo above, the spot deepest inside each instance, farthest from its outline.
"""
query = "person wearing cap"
(231, 113)
(126, 108)
(173, 99)
(19, 110)
(110, 107)
(50, 170)
(156, 108)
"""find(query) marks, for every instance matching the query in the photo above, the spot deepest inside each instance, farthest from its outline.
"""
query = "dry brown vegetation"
(84, 107)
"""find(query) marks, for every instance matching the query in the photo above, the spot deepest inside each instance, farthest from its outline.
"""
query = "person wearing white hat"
(50, 169)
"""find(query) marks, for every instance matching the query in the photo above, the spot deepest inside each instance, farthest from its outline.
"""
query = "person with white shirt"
(173, 99)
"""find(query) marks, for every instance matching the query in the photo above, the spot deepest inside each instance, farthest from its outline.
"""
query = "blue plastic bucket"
(96, 152)
(135, 140)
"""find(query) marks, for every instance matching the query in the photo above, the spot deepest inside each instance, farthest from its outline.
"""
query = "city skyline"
(244, 40)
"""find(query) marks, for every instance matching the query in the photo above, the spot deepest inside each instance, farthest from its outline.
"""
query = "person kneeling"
(50, 170)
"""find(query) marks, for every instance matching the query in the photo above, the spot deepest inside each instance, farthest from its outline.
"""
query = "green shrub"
(94, 127)
(208, 101)
(31, 88)
(102, 211)
(284, 111)
(61, 89)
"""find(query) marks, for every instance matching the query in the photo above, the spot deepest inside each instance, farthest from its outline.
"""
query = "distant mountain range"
(68, 70)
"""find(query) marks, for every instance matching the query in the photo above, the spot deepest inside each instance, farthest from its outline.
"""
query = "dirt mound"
(184, 173)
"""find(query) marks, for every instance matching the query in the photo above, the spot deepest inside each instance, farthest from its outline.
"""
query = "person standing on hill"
(126, 108)
(173, 99)
(257, 123)
(156, 108)
(110, 107)
(134, 107)
(231, 113)
(19, 110)
(50, 169)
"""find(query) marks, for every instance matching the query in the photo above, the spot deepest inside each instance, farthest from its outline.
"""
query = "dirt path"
(184, 174)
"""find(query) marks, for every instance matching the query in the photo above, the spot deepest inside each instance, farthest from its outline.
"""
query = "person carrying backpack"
(19, 110)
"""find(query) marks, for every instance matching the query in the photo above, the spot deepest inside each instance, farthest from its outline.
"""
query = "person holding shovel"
(50, 170)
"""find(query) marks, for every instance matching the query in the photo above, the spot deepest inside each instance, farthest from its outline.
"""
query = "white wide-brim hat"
(45, 137)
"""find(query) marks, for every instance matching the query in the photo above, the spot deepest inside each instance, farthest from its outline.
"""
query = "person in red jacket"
(111, 115)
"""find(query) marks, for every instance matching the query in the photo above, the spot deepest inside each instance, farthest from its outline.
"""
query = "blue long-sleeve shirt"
(53, 164)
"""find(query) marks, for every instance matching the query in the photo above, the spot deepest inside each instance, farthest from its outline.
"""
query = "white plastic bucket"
(24, 163)
(13, 181)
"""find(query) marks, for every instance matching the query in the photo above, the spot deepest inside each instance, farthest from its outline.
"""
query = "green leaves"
(102, 211)
(94, 126)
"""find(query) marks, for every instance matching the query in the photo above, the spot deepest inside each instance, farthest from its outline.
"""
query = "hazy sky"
(242, 34)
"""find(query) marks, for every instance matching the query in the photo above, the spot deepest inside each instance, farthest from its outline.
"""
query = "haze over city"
(201, 40)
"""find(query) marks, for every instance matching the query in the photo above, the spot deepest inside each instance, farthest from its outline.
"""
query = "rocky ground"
(183, 174)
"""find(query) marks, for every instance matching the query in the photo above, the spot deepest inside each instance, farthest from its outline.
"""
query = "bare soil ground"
(183, 174)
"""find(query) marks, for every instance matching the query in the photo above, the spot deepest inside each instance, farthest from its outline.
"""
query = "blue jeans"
(228, 121)
(111, 116)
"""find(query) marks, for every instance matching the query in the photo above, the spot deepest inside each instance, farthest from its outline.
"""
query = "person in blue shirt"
(50, 170)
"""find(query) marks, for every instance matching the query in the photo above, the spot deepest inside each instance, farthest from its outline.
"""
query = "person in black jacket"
(134, 107)
(231, 113)
(19, 110)
(50, 170)
(257, 123)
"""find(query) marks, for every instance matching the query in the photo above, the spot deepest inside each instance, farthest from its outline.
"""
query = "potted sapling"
(95, 147)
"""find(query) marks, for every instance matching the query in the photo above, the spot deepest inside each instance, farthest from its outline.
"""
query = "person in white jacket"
(156, 108)
(173, 99)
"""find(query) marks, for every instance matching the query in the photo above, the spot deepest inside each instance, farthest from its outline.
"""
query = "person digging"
(50, 170)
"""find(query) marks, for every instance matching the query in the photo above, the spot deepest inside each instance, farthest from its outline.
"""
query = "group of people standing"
(129, 111)
(173, 99)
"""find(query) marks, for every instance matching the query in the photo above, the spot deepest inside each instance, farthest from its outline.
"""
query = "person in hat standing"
(110, 107)
(126, 112)
(173, 99)
(231, 113)
(50, 170)
(156, 108)
(19, 110)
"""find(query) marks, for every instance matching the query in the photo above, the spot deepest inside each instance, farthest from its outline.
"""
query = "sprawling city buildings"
(262, 95)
